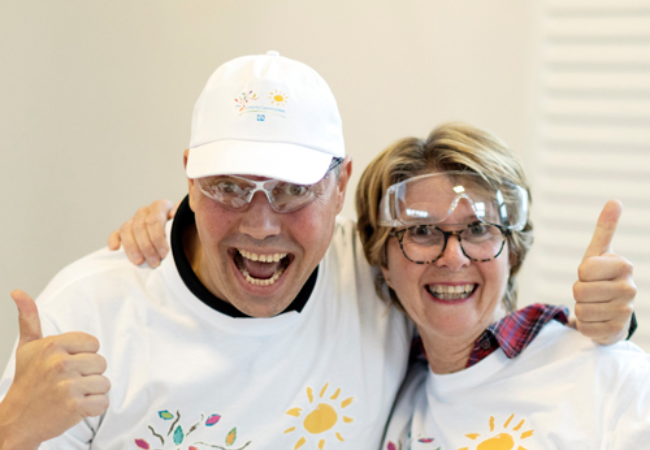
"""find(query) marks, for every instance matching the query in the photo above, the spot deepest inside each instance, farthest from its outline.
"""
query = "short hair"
(452, 146)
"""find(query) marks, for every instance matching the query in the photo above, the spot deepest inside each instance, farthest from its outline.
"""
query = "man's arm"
(604, 292)
(57, 383)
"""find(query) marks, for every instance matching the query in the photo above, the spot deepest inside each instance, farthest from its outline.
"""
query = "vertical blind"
(593, 141)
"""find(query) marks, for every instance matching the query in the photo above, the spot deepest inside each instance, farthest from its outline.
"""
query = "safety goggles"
(235, 193)
(430, 199)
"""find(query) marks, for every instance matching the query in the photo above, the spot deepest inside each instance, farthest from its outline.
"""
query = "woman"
(451, 278)
(446, 220)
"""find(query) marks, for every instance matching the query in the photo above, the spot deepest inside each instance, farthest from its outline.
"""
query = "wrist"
(11, 435)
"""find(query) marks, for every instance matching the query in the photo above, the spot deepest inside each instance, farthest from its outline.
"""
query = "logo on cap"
(278, 98)
(242, 102)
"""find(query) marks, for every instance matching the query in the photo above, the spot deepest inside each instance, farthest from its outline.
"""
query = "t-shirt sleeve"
(629, 420)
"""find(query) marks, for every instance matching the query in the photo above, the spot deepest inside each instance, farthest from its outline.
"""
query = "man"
(262, 331)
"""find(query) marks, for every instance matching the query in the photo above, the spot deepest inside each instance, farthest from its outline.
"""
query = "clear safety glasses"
(235, 192)
(487, 213)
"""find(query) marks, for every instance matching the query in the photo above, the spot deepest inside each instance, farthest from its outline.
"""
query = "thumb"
(28, 320)
(601, 242)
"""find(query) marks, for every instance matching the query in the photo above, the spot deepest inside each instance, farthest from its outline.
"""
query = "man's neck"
(196, 257)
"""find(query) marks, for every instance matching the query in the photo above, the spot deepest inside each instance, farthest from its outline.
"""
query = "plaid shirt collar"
(514, 332)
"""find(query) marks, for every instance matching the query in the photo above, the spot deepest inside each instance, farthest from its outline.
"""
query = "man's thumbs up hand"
(605, 290)
(58, 382)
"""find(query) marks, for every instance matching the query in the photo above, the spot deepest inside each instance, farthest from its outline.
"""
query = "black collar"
(185, 218)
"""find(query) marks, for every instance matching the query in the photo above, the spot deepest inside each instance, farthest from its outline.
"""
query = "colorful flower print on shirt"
(409, 443)
(503, 439)
(322, 417)
(176, 435)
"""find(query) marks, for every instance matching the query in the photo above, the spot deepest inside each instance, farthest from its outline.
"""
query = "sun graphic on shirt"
(503, 439)
(278, 98)
(323, 415)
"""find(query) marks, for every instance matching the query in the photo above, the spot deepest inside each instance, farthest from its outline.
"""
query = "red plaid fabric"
(512, 333)
(515, 331)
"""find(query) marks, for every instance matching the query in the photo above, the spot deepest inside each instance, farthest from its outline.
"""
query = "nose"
(259, 220)
(453, 257)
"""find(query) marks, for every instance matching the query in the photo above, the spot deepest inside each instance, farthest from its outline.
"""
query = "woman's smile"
(451, 292)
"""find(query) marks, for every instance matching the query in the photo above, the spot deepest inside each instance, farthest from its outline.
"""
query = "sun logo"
(323, 416)
(278, 98)
(501, 441)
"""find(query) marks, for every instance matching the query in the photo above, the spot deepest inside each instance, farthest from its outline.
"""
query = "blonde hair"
(452, 146)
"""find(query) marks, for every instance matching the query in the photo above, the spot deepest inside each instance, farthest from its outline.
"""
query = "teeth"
(262, 258)
(260, 282)
(265, 259)
(446, 292)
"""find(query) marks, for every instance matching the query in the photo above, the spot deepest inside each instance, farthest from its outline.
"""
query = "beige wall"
(96, 98)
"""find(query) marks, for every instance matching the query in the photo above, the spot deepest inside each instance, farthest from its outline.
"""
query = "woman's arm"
(604, 292)
(143, 236)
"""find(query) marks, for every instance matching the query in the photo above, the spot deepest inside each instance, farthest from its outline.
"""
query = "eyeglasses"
(425, 244)
(235, 193)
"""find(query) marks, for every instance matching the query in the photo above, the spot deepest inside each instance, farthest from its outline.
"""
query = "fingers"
(603, 312)
(85, 396)
(28, 321)
(605, 267)
(620, 290)
(130, 244)
(143, 237)
(113, 242)
(75, 342)
(94, 405)
(93, 385)
(84, 364)
(601, 241)
(159, 212)
(603, 332)
(144, 241)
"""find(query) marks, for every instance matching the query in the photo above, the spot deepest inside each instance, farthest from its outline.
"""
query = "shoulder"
(558, 344)
(85, 283)
(102, 264)
(355, 276)
(346, 246)
(345, 230)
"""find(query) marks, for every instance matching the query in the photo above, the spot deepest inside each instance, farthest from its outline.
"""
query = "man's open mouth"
(451, 293)
(261, 269)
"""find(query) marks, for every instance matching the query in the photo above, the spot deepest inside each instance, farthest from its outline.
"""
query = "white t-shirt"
(562, 392)
(186, 376)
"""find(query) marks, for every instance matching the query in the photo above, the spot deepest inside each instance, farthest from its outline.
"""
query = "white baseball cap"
(268, 116)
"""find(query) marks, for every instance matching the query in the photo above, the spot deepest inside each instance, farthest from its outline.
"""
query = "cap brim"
(287, 162)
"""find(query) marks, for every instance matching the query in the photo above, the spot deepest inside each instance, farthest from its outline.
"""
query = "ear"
(344, 177)
(191, 185)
